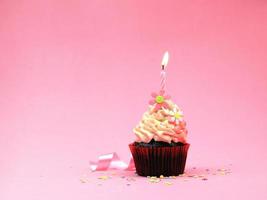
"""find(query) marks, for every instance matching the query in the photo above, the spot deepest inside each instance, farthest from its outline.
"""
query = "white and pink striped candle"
(163, 72)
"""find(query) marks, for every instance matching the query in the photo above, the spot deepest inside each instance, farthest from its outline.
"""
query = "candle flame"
(165, 60)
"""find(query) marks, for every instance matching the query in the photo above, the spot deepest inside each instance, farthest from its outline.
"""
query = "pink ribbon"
(111, 161)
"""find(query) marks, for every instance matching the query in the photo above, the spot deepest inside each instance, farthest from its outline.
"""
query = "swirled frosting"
(162, 122)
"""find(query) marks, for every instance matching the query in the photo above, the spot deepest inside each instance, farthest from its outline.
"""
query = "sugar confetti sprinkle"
(153, 179)
(83, 180)
(168, 183)
(104, 177)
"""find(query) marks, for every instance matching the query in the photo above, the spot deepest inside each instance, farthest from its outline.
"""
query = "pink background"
(76, 76)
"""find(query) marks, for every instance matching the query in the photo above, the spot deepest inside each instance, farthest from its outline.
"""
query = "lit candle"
(163, 73)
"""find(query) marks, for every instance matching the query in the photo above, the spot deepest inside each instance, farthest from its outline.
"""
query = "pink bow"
(111, 161)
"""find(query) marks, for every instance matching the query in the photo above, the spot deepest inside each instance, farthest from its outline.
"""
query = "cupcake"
(160, 147)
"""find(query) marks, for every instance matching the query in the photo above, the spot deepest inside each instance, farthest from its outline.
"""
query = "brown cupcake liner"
(156, 161)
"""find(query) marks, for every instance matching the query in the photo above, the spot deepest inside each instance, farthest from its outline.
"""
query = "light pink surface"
(76, 76)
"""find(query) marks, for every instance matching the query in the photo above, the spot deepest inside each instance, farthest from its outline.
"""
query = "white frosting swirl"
(157, 125)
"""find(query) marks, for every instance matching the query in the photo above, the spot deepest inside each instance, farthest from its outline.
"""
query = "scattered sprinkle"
(153, 179)
(82, 180)
(168, 183)
(103, 177)
(165, 180)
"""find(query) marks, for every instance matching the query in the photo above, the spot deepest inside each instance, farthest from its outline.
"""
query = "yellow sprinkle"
(161, 176)
(103, 177)
(168, 183)
(154, 180)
